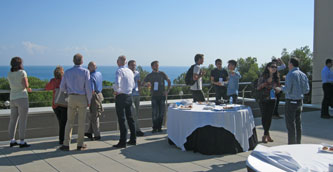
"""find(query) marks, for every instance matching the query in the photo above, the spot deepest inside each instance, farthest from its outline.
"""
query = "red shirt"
(52, 85)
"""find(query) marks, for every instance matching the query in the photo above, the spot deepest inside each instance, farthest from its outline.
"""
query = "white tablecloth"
(181, 123)
(306, 157)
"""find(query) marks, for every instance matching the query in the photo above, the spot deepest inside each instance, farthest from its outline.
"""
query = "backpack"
(189, 76)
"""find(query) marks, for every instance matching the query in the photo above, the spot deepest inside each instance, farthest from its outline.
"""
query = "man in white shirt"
(123, 87)
(196, 88)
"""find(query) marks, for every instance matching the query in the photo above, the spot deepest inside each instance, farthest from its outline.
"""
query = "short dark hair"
(274, 60)
(152, 63)
(218, 60)
(328, 61)
(233, 62)
(130, 62)
(16, 64)
(78, 59)
(197, 57)
(294, 61)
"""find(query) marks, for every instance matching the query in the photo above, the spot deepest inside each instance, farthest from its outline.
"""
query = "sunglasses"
(274, 67)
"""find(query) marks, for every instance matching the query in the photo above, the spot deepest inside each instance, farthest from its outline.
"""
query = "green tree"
(248, 68)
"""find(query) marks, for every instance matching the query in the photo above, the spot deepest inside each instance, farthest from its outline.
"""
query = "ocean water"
(108, 72)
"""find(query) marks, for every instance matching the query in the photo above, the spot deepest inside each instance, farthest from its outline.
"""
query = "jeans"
(123, 107)
(158, 110)
(61, 113)
(198, 96)
(266, 108)
(293, 110)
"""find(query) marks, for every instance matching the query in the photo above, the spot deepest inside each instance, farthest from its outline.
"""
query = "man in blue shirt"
(327, 79)
(233, 83)
(76, 83)
(96, 108)
(296, 85)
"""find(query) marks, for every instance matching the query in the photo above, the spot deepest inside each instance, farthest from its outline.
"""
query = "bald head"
(78, 59)
(121, 61)
(92, 66)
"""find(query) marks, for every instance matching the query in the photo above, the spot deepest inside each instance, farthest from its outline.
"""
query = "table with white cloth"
(297, 157)
(212, 131)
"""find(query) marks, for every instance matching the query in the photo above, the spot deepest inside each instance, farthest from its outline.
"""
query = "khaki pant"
(18, 115)
(135, 111)
(77, 104)
(96, 110)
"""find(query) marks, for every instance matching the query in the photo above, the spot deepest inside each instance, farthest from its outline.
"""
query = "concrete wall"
(322, 43)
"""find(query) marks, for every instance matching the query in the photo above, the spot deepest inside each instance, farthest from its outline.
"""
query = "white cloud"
(33, 48)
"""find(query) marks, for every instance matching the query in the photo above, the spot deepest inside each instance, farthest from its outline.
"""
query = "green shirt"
(17, 89)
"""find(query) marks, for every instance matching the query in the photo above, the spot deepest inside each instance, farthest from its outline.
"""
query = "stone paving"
(153, 153)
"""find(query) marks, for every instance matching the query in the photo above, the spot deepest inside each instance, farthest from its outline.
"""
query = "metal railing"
(208, 93)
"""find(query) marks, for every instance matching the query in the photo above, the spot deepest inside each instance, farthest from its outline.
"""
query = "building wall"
(322, 44)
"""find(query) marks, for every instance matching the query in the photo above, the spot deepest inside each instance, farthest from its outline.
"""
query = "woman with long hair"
(19, 103)
(269, 86)
(59, 110)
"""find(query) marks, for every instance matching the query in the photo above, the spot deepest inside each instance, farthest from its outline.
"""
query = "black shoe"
(131, 142)
(325, 116)
(159, 130)
(64, 148)
(83, 147)
(89, 135)
(120, 145)
(97, 138)
(24, 145)
(140, 133)
(154, 131)
(12, 144)
(61, 142)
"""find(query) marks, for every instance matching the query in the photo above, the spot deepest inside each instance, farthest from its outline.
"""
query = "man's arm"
(88, 88)
(288, 84)
(306, 89)
(116, 83)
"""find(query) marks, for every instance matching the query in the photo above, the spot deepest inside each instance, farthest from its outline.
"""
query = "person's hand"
(29, 90)
(219, 84)
(277, 90)
(115, 93)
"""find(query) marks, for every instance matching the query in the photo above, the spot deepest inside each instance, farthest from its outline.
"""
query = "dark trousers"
(198, 96)
(293, 110)
(220, 92)
(61, 113)
(266, 109)
(234, 98)
(277, 102)
(327, 100)
(158, 110)
(123, 107)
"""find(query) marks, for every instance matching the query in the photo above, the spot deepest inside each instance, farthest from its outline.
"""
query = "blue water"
(46, 72)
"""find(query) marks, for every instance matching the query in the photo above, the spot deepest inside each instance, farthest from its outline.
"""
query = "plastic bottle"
(272, 94)
(230, 100)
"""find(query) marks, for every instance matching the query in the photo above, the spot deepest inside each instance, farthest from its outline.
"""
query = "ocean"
(108, 72)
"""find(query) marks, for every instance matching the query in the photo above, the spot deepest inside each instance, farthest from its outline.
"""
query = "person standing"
(327, 79)
(218, 77)
(268, 85)
(156, 82)
(123, 87)
(76, 83)
(59, 110)
(19, 102)
(196, 88)
(233, 83)
(96, 107)
(280, 66)
(296, 85)
(136, 96)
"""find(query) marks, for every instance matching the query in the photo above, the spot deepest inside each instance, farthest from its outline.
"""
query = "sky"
(45, 32)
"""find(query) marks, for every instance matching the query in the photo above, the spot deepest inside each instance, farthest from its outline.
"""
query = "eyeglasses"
(274, 67)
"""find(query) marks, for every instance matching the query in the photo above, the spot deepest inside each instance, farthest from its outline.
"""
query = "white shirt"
(124, 83)
(198, 83)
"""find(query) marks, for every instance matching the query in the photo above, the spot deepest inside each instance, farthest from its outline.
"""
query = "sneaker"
(83, 147)
(11, 144)
(140, 133)
(64, 148)
(24, 145)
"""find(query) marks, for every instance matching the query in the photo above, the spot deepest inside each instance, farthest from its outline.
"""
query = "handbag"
(60, 98)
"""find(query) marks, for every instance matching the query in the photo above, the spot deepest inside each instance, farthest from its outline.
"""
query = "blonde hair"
(58, 72)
